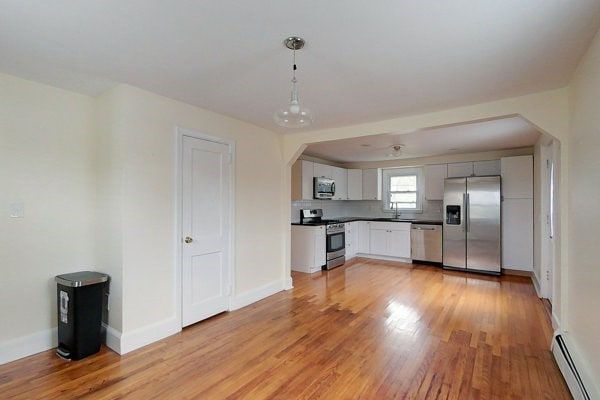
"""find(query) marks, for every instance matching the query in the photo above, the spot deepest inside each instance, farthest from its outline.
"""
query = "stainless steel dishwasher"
(426, 243)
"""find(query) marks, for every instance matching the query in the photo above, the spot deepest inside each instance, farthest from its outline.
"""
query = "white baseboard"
(536, 284)
(148, 334)
(289, 284)
(28, 345)
(385, 258)
(113, 338)
(252, 296)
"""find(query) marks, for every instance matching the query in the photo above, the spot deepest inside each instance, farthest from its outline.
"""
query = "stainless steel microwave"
(324, 188)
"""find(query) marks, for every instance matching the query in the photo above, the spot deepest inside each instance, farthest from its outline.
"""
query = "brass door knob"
(188, 239)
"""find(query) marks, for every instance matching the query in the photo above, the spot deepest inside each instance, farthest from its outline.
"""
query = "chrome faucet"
(397, 213)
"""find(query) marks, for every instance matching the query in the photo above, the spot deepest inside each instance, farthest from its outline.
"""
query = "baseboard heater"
(567, 368)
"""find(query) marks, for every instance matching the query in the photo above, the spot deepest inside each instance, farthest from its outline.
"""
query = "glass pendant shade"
(294, 115)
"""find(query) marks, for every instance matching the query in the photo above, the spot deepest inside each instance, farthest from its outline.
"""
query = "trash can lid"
(83, 278)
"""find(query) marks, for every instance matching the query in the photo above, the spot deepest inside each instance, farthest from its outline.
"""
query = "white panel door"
(355, 179)
(205, 229)
(517, 234)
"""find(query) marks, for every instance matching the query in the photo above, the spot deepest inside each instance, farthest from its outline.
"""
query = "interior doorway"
(205, 229)
(550, 153)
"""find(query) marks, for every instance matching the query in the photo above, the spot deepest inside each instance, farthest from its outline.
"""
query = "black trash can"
(79, 309)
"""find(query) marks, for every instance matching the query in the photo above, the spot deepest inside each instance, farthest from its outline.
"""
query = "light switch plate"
(17, 210)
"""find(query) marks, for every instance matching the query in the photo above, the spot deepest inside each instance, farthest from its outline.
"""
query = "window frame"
(388, 173)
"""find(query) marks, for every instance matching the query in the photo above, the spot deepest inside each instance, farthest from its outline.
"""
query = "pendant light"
(294, 115)
(395, 150)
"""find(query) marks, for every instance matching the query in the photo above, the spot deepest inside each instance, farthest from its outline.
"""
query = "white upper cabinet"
(371, 184)
(458, 170)
(323, 171)
(355, 181)
(477, 168)
(302, 180)
(486, 168)
(517, 177)
(340, 177)
(434, 181)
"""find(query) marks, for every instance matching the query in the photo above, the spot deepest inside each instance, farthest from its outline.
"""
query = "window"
(402, 189)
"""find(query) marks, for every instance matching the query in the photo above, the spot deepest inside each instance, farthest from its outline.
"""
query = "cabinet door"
(486, 168)
(363, 237)
(434, 181)
(355, 181)
(350, 242)
(517, 234)
(320, 248)
(340, 177)
(399, 243)
(323, 171)
(378, 241)
(371, 184)
(458, 170)
(517, 177)
(302, 180)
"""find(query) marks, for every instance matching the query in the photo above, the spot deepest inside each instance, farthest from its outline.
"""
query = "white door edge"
(179, 133)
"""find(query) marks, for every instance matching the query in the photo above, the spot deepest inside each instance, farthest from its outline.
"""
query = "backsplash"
(363, 208)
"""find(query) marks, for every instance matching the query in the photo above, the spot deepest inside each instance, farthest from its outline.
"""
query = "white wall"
(97, 177)
(145, 129)
(46, 153)
(583, 291)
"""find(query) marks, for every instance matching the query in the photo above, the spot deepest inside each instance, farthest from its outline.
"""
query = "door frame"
(180, 132)
(549, 262)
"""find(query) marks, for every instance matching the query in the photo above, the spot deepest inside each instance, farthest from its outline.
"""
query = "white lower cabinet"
(363, 237)
(391, 239)
(351, 239)
(308, 248)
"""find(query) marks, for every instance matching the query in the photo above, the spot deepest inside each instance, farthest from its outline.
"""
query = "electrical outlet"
(17, 210)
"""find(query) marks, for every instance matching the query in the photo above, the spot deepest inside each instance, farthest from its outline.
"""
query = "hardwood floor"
(368, 330)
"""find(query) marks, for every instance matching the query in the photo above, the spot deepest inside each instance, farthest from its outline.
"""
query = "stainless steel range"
(335, 236)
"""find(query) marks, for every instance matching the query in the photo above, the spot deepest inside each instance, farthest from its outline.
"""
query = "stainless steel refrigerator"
(472, 230)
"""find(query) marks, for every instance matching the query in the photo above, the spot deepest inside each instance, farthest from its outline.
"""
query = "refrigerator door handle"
(467, 213)
(463, 215)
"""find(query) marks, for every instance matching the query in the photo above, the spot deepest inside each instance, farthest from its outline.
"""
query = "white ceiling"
(498, 134)
(364, 60)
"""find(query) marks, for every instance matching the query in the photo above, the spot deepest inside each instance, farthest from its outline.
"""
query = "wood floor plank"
(367, 330)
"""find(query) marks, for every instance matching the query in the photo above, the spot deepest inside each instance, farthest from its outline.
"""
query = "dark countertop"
(352, 219)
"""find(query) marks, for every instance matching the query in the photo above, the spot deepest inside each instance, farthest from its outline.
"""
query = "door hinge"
(547, 275)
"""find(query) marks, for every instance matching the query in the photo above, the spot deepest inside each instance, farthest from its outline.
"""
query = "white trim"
(387, 173)
(385, 258)
(180, 132)
(149, 334)
(24, 346)
(113, 338)
(289, 283)
(257, 294)
(555, 320)
(536, 284)
(581, 365)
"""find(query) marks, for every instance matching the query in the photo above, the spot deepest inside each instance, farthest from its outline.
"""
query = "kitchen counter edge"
(353, 219)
